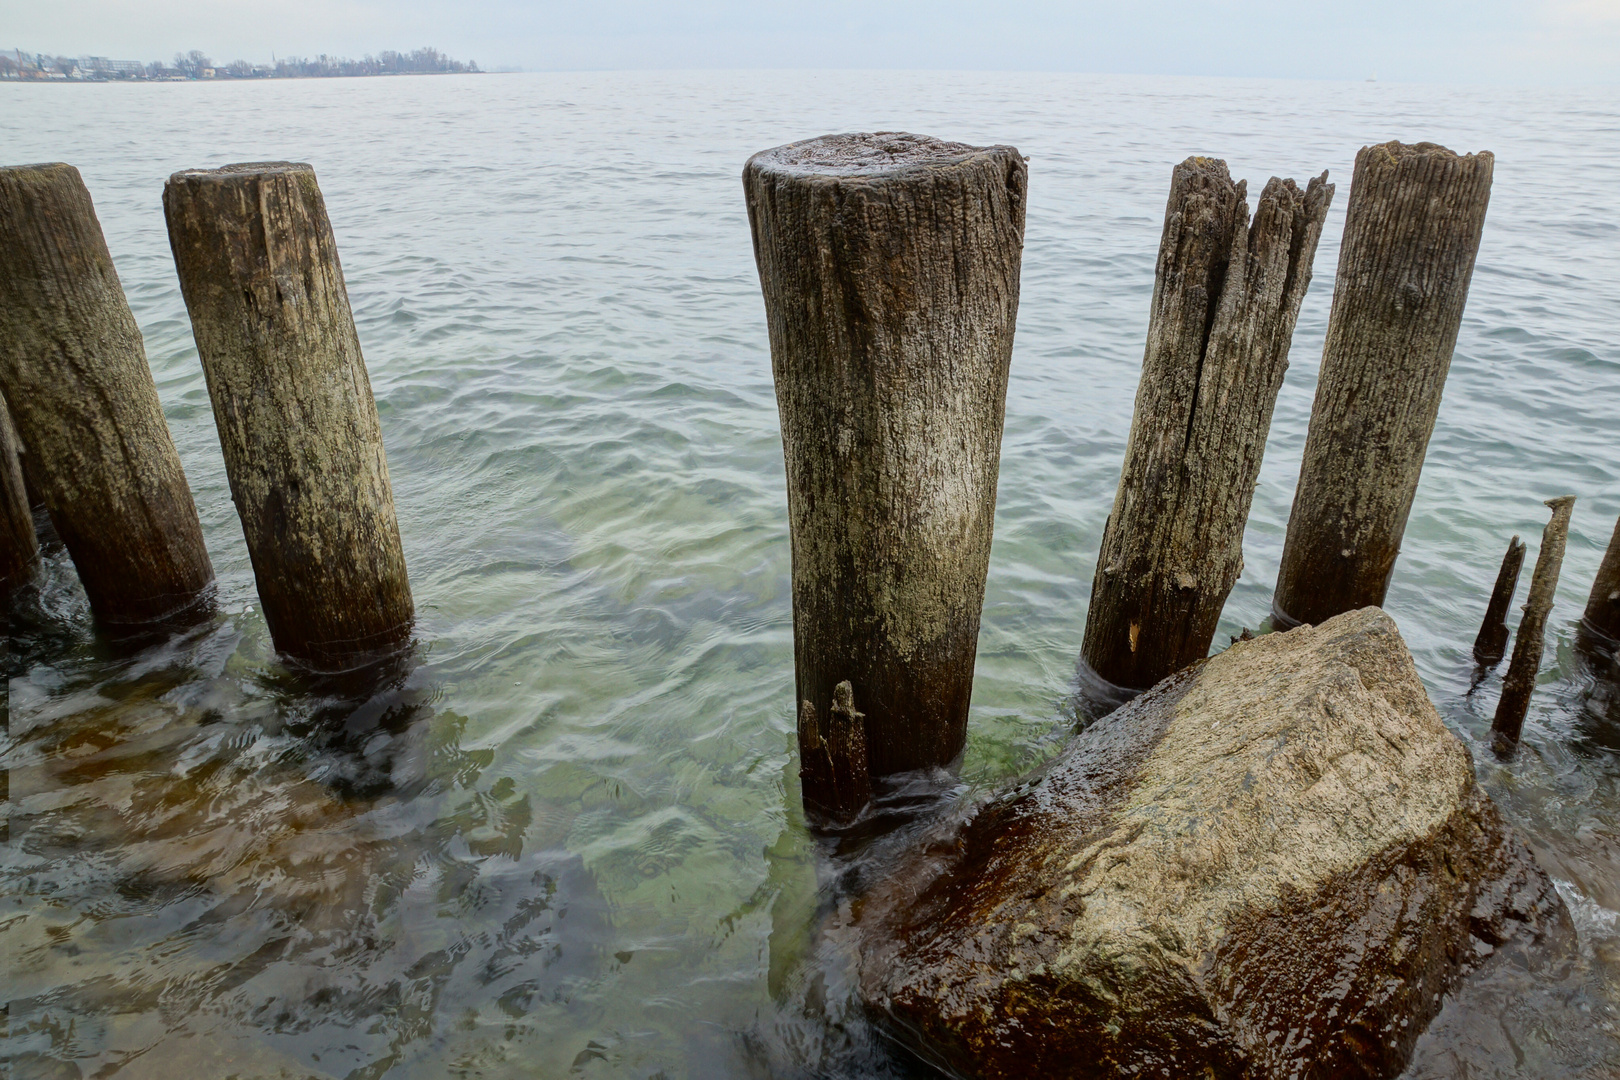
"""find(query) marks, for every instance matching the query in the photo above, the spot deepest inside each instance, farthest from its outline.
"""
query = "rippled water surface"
(569, 842)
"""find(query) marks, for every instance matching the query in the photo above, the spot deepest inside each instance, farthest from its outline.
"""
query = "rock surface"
(1273, 864)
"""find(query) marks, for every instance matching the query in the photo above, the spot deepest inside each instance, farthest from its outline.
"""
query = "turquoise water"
(569, 843)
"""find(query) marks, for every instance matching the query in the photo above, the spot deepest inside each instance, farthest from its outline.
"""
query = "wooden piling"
(1226, 296)
(19, 547)
(1491, 644)
(1531, 640)
(293, 404)
(890, 269)
(73, 368)
(1602, 615)
(1410, 236)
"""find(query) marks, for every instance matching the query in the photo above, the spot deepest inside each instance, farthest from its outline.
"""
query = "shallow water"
(568, 843)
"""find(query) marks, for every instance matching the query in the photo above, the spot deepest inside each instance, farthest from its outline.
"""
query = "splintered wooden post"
(1528, 646)
(1602, 615)
(19, 547)
(1491, 644)
(292, 401)
(1410, 236)
(1226, 296)
(889, 264)
(833, 767)
(73, 369)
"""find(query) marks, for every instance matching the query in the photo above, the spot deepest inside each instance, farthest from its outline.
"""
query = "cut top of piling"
(873, 155)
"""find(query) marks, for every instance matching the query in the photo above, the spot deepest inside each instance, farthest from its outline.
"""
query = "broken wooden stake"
(303, 447)
(73, 369)
(1531, 640)
(1602, 615)
(833, 767)
(1491, 644)
(1410, 236)
(890, 267)
(1226, 296)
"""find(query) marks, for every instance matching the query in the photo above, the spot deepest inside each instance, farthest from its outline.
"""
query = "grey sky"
(1486, 40)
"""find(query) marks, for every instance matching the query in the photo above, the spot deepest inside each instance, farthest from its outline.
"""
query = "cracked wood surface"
(293, 405)
(1411, 233)
(1226, 296)
(73, 369)
(890, 270)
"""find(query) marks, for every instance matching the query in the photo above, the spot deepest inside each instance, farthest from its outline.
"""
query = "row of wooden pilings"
(292, 402)
(890, 268)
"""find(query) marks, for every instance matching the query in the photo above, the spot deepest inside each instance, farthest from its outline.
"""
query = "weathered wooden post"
(73, 368)
(1413, 228)
(1491, 644)
(1602, 615)
(19, 547)
(297, 422)
(889, 264)
(1528, 646)
(1226, 296)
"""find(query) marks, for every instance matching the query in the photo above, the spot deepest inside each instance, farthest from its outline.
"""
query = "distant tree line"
(197, 65)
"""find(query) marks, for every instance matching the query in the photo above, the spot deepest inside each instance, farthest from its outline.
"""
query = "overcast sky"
(1532, 41)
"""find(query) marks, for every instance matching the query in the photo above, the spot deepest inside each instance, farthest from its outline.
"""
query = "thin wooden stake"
(1531, 640)
(1491, 644)
(1602, 615)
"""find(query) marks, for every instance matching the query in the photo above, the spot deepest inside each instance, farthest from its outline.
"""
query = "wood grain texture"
(1491, 644)
(293, 405)
(1520, 680)
(1226, 296)
(73, 368)
(19, 547)
(890, 270)
(1412, 231)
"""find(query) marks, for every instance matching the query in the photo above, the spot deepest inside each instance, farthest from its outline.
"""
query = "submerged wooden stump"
(1602, 615)
(1413, 228)
(293, 404)
(890, 266)
(19, 547)
(1226, 296)
(1491, 644)
(1527, 647)
(73, 368)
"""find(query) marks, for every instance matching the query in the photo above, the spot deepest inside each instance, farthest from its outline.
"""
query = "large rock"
(1274, 864)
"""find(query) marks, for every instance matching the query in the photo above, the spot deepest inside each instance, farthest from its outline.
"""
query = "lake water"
(570, 843)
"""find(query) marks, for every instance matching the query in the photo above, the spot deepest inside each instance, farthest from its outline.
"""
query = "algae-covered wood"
(19, 547)
(890, 270)
(293, 404)
(73, 369)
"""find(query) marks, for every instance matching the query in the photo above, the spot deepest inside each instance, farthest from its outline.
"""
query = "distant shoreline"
(196, 66)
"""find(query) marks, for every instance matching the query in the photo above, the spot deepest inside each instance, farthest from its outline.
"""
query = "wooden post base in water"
(73, 370)
(1491, 644)
(293, 404)
(890, 267)
(1528, 646)
(1410, 236)
(1226, 295)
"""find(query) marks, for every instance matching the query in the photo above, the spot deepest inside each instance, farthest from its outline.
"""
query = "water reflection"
(309, 872)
